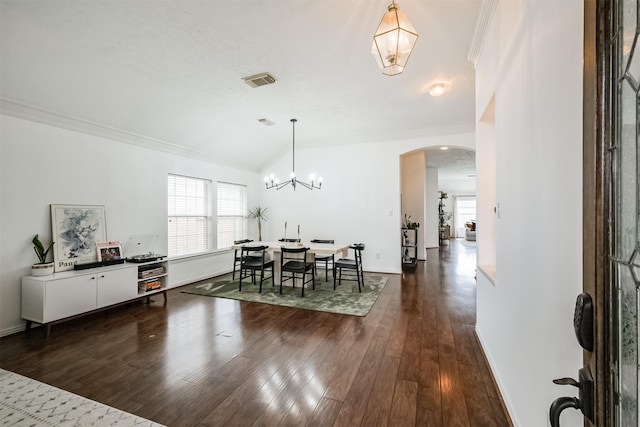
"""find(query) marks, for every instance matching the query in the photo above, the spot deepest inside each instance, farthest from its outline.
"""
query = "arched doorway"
(424, 175)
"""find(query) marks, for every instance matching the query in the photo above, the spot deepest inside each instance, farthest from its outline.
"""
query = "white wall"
(486, 211)
(43, 165)
(412, 182)
(359, 200)
(532, 60)
(432, 218)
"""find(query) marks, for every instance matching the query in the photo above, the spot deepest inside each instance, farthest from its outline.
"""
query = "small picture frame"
(109, 251)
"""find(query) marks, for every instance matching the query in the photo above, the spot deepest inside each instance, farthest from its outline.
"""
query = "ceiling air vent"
(258, 80)
(266, 122)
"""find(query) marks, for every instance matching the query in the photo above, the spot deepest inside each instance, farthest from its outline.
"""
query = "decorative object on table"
(273, 182)
(393, 41)
(285, 230)
(76, 230)
(344, 300)
(109, 251)
(299, 233)
(260, 214)
(43, 268)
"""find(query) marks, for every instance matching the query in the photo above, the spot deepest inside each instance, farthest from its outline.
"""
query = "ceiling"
(170, 72)
(456, 168)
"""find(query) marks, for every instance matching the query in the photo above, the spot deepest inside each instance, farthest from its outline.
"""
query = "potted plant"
(259, 214)
(43, 268)
(409, 223)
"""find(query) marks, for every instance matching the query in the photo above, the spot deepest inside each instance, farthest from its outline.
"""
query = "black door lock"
(583, 321)
(584, 401)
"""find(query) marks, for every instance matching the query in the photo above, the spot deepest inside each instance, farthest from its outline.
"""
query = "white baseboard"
(13, 330)
(496, 378)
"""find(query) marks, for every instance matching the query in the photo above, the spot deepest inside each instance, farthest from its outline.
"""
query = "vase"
(42, 269)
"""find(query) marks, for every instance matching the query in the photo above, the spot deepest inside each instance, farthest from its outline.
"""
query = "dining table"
(275, 246)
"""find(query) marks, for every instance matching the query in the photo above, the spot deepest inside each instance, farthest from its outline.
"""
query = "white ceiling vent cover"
(258, 80)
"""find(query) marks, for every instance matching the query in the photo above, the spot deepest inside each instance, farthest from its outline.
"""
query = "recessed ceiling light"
(444, 148)
(439, 88)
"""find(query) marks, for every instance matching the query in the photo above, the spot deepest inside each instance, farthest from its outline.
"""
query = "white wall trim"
(41, 115)
(492, 366)
(481, 28)
(14, 330)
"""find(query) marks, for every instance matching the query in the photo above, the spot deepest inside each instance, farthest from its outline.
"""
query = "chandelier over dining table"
(272, 181)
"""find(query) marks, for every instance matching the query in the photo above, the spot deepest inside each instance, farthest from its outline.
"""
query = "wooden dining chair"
(294, 265)
(254, 258)
(236, 256)
(353, 267)
(325, 258)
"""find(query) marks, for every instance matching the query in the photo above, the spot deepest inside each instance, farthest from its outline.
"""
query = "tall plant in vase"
(259, 214)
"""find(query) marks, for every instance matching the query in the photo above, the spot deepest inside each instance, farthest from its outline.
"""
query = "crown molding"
(480, 31)
(33, 113)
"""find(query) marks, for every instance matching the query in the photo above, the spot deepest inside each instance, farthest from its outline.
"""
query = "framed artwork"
(76, 230)
(109, 251)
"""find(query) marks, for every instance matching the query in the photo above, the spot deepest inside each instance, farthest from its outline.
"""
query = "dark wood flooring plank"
(428, 418)
(200, 361)
(379, 403)
(325, 413)
(355, 403)
(403, 407)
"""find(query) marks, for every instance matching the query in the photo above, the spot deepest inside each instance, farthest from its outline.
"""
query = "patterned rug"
(344, 300)
(29, 403)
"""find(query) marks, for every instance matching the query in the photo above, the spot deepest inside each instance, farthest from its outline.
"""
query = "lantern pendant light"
(393, 41)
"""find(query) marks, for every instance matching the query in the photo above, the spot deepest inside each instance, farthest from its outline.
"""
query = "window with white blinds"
(189, 215)
(232, 213)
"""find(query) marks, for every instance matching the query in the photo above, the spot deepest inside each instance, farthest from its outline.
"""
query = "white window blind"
(189, 215)
(465, 211)
(232, 213)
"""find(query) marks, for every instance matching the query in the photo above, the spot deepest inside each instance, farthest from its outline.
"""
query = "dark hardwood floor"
(200, 361)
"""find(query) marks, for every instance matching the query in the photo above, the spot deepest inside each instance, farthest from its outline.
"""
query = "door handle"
(559, 405)
(584, 401)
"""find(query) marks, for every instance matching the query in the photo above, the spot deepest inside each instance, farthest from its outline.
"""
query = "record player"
(145, 257)
(139, 248)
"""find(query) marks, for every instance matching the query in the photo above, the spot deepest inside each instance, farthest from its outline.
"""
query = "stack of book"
(149, 285)
(151, 272)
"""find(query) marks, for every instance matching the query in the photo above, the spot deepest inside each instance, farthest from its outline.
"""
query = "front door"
(612, 205)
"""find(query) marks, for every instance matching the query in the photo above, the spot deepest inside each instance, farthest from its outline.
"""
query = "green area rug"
(344, 300)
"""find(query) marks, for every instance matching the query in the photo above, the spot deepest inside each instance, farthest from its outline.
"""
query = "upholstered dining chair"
(236, 255)
(254, 258)
(294, 265)
(352, 265)
(325, 258)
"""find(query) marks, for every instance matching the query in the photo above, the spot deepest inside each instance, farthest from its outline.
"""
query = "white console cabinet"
(47, 299)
